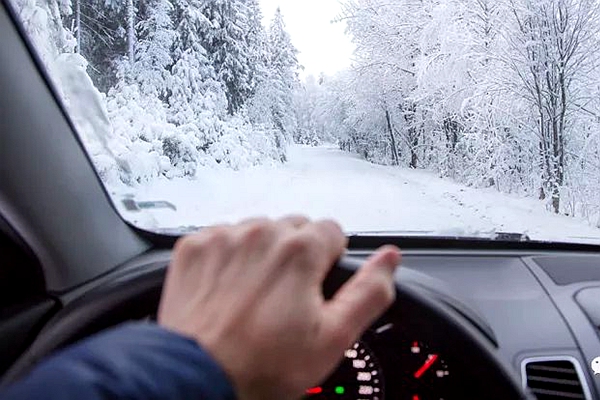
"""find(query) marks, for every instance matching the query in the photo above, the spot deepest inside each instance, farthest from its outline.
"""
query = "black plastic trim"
(54, 92)
(368, 242)
(48, 199)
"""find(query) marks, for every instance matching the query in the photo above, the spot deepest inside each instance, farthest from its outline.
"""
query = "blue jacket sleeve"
(135, 361)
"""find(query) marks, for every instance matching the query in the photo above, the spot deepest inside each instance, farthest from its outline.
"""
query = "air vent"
(555, 378)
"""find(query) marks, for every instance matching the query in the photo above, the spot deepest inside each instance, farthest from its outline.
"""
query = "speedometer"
(426, 373)
(359, 377)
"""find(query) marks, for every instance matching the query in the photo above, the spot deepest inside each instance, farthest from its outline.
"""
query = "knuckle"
(295, 220)
(331, 234)
(188, 247)
(306, 248)
(332, 227)
(252, 220)
(257, 231)
(217, 237)
(193, 246)
(308, 241)
(298, 243)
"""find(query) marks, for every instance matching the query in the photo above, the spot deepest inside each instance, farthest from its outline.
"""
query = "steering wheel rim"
(129, 296)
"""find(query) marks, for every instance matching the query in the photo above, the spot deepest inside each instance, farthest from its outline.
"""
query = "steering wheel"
(135, 295)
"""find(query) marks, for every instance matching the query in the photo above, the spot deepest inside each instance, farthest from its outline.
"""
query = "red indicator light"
(315, 390)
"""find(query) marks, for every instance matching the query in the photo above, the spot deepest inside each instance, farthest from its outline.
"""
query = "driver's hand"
(251, 295)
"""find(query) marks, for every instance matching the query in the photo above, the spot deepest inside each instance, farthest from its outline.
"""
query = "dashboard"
(541, 311)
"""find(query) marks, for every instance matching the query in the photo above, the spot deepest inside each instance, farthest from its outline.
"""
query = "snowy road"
(325, 182)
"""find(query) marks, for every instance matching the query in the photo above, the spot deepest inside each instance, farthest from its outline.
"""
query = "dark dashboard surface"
(530, 302)
(538, 315)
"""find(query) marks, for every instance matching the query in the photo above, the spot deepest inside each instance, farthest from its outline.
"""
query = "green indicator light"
(339, 390)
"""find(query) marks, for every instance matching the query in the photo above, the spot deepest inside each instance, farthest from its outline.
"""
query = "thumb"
(363, 298)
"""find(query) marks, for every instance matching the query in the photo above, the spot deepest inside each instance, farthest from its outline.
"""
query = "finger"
(328, 243)
(296, 221)
(336, 242)
(254, 221)
(203, 257)
(208, 244)
(364, 297)
(254, 238)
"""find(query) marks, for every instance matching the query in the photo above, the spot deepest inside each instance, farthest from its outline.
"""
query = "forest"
(490, 93)
(162, 88)
(500, 94)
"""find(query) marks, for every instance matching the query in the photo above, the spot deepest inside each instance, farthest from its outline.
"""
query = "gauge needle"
(432, 359)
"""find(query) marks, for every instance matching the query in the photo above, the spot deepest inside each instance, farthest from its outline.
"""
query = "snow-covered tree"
(153, 57)
(196, 94)
(492, 93)
(272, 104)
(283, 75)
(223, 31)
(552, 51)
(257, 41)
(104, 31)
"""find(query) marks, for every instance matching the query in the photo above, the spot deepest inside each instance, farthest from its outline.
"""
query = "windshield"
(407, 117)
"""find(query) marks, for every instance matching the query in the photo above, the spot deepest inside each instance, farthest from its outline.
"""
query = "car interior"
(473, 319)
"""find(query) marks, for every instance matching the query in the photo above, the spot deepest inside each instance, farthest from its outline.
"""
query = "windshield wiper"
(451, 235)
(511, 237)
(132, 205)
(494, 236)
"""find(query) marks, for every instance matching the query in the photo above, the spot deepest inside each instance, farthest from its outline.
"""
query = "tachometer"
(359, 377)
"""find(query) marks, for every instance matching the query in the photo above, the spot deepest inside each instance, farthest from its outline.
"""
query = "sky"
(323, 45)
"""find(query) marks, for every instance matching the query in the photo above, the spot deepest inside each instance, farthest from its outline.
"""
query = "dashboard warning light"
(315, 390)
(415, 348)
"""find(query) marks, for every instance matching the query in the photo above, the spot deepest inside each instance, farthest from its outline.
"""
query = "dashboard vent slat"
(554, 379)
(574, 382)
(551, 394)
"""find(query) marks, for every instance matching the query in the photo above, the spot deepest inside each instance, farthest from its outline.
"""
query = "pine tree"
(283, 66)
(194, 89)
(257, 41)
(223, 33)
(153, 53)
(197, 99)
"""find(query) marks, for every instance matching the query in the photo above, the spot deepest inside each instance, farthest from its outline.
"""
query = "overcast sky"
(323, 46)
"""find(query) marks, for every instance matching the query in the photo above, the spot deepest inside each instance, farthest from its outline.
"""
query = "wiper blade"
(511, 237)
(132, 205)
(451, 235)
(179, 231)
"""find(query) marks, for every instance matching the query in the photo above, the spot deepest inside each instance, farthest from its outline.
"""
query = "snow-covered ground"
(325, 182)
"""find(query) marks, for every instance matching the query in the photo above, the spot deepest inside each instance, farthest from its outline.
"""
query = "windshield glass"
(408, 117)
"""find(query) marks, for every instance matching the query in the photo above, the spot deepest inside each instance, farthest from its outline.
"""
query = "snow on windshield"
(451, 117)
